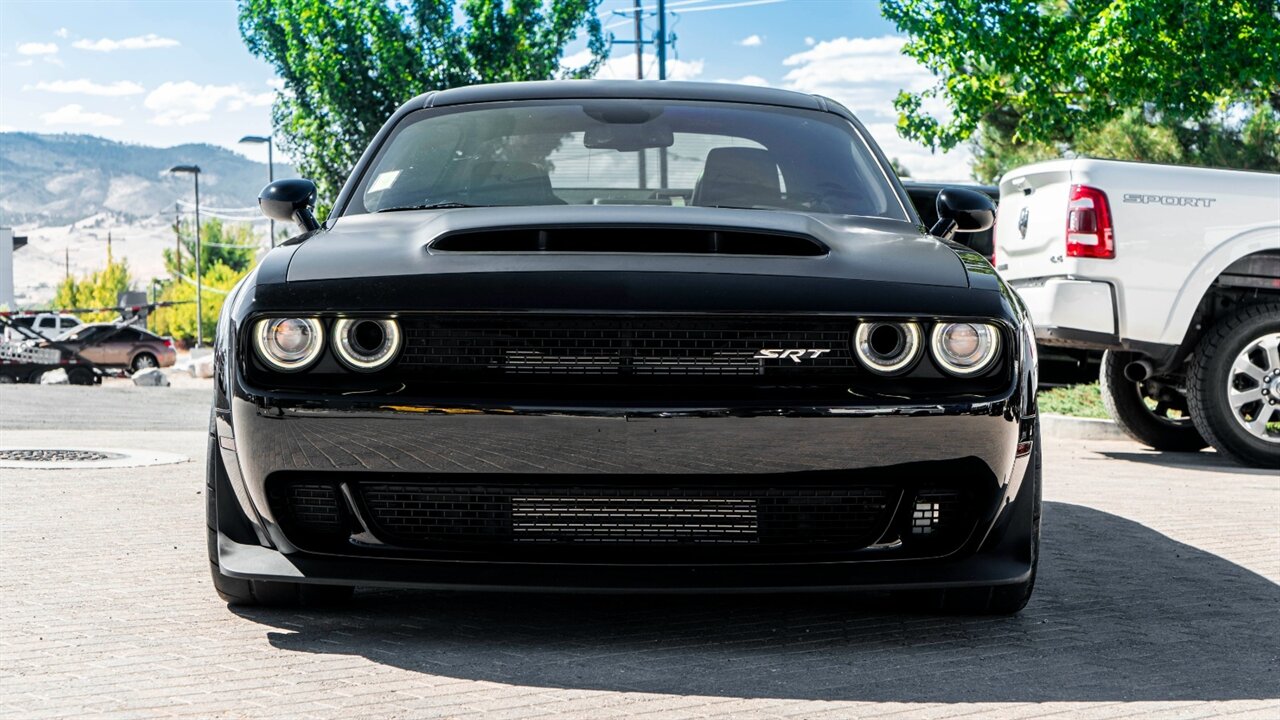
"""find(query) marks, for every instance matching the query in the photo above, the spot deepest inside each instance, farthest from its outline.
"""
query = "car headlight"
(366, 344)
(965, 348)
(887, 348)
(289, 344)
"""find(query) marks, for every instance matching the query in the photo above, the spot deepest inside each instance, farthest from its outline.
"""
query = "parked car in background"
(47, 325)
(121, 346)
(1175, 273)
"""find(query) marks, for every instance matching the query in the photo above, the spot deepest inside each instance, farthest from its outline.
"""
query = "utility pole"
(66, 263)
(177, 238)
(108, 246)
(661, 41)
(640, 154)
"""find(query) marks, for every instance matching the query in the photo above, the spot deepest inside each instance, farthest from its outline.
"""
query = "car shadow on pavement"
(1120, 613)
(1204, 461)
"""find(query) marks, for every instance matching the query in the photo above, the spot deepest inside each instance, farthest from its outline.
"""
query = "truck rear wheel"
(1234, 385)
(1153, 415)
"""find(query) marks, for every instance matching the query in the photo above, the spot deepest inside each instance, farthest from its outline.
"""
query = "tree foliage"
(348, 64)
(229, 251)
(1165, 80)
(179, 321)
(230, 244)
(97, 289)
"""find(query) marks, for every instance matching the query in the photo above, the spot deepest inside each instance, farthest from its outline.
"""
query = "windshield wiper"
(432, 206)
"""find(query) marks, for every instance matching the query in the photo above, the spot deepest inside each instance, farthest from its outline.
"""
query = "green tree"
(229, 251)
(348, 64)
(1194, 82)
(179, 321)
(230, 244)
(97, 289)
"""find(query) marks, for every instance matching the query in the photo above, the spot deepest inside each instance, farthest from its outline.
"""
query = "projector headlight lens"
(289, 344)
(965, 348)
(366, 344)
(887, 348)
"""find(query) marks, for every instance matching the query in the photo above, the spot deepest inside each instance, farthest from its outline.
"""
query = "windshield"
(627, 152)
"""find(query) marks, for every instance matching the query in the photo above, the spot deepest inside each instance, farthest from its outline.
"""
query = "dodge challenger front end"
(612, 336)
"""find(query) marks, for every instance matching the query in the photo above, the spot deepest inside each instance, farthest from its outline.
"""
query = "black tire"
(80, 376)
(261, 593)
(1126, 404)
(995, 599)
(1207, 385)
(142, 361)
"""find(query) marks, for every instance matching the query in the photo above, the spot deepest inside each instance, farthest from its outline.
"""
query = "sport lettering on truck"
(1172, 200)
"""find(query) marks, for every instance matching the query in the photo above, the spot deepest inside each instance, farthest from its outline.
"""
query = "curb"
(1074, 428)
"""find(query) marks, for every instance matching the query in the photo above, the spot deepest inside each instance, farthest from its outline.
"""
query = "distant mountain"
(59, 179)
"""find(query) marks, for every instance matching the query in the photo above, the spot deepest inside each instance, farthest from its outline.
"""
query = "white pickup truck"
(1175, 273)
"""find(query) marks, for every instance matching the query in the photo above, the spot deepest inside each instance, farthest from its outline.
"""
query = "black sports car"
(638, 336)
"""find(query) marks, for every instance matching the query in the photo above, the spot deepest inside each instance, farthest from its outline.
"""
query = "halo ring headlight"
(289, 344)
(887, 348)
(963, 348)
(366, 344)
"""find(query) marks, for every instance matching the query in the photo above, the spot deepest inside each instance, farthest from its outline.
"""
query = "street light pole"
(195, 172)
(271, 168)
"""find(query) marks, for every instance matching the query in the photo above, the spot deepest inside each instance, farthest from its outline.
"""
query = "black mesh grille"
(420, 514)
(937, 512)
(313, 507)
(639, 347)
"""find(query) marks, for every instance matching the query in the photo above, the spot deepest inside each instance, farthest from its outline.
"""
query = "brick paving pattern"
(1158, 597)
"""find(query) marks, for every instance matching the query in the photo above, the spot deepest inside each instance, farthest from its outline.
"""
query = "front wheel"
(143, 361)
(1234, 385)
(1151, 411)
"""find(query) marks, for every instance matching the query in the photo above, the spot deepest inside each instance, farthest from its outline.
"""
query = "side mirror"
(961, 210)
(290, 200)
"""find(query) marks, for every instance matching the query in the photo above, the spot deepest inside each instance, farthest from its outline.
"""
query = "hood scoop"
(648, 240)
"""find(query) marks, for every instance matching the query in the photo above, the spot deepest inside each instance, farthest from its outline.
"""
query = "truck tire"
(1234, 385)
(1126, 403)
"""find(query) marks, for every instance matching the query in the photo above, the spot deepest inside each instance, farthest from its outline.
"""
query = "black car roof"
(625, 89)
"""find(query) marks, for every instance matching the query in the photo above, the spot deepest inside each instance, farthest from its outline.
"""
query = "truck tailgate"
(1031, 224)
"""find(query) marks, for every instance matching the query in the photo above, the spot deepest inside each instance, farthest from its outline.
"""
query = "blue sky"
(168, 72)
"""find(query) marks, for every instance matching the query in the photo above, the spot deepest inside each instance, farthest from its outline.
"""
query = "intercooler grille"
(314, 506)
(628, 346)
(422, 514)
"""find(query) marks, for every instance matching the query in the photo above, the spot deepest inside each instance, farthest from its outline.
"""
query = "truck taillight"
(1089, 233)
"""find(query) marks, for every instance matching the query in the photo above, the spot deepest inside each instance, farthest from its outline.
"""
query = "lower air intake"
(435, 515)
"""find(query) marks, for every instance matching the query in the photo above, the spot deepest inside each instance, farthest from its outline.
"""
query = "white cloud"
(7, 128)
(810, 42)
(142, 42)
(35, 48)
(88, 87)
(185, 103)
(747, 80)
(751, 41)
(77, 115)
(623, 66)
(865, 75)
(62, 33)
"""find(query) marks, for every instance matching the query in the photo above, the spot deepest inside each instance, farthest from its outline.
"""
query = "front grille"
(313, 507)
(640, 347)
(936, 512)
(451, 515)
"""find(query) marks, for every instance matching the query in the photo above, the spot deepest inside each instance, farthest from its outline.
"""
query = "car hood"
(397, 244)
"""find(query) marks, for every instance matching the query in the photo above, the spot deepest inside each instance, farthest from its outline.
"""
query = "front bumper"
(261, 439)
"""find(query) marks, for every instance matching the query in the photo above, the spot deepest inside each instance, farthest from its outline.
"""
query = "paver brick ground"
(1157, 597)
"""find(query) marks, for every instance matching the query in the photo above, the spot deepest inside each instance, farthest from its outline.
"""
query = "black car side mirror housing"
(961, 210)
(291, 200)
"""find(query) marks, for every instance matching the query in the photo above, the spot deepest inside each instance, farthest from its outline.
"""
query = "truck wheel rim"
(1253, 388)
